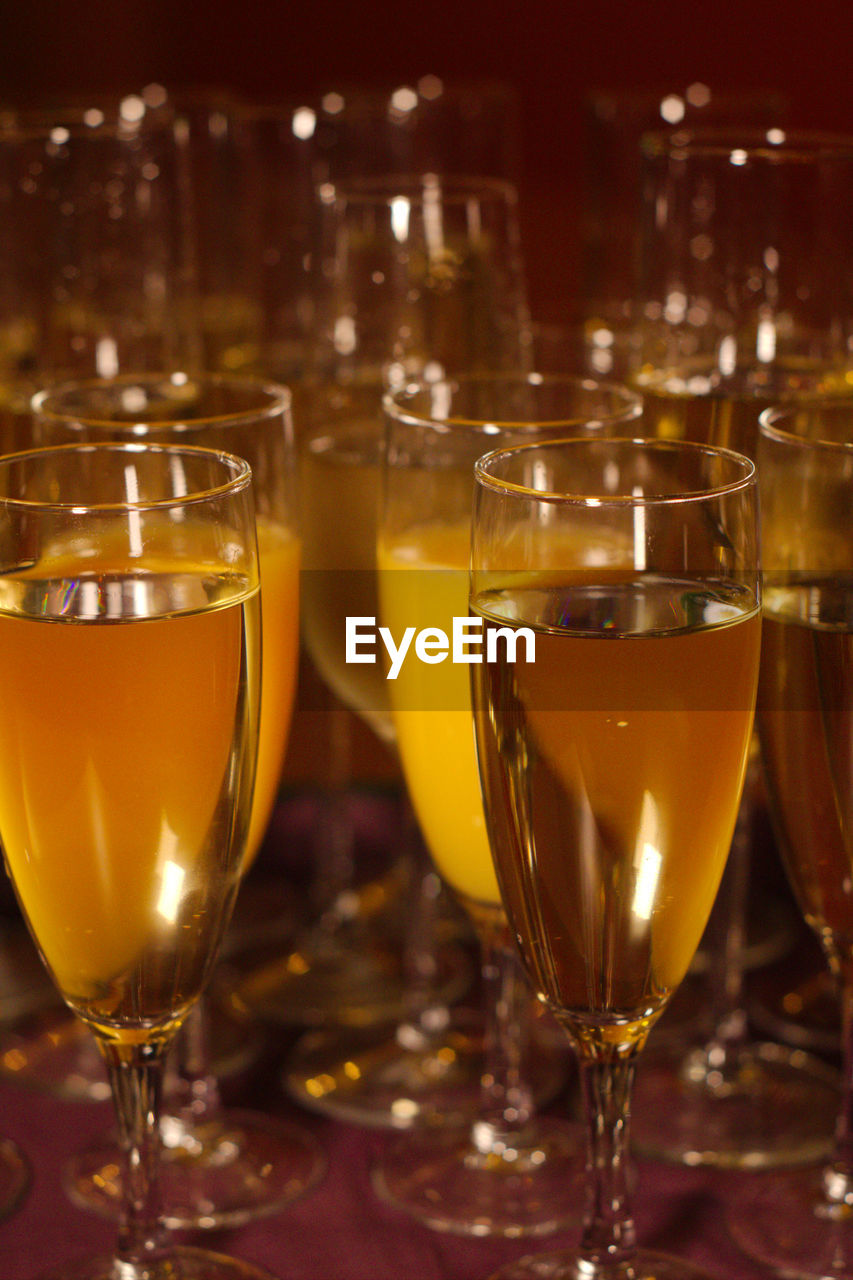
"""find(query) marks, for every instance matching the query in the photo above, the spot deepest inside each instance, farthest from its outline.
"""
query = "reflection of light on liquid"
(647, 860)
(170, 891)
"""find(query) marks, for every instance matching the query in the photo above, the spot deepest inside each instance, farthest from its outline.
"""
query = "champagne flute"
(130, 576)
(221, 1166)
(798, 1222)
(740, 304)
(98, 275)
(505, 1171)
(617, 585)
(416, 271)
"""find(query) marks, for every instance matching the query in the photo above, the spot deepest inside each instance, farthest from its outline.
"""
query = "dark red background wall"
(553, 51)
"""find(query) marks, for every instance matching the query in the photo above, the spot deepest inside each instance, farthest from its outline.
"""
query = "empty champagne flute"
(505, 1170)
(222, 1166)
(618, 589)
(130, 576)
(798, 1222)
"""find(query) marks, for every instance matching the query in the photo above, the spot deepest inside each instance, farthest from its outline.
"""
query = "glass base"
(389, 1078)
(445, 1181)
(211, 1177)
(564, 1264)
(333, 981)
(55, 1052)
(776, 1107)
(14, 1177)
(786, 1223)
(193, 1264)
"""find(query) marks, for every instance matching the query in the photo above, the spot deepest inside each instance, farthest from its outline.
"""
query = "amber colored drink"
(611, 767)
(119, 747)
(805, 722)
(279, 559)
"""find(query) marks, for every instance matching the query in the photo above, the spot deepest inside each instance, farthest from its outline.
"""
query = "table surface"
(340, 1230)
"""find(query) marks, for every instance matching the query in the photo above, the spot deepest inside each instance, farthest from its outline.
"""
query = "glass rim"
(773, 143)
(239, 479)
(273, 399)
(383, 188)
(100, 119)
(394, 406)
(744, 481)
(769, 430)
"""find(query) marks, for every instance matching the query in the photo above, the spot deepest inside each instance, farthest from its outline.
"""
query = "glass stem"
(191, 1089)
(727, 943)
(838, 1175)
(608, 1240)
(506, 1099)
(136, 1073)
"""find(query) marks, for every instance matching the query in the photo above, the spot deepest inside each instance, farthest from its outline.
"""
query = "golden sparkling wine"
(432, 704)
(805, 720)
(279, 560)
(119, 762)
(612, 766)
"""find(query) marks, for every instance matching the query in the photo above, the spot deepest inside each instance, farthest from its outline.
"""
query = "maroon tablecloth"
(340, 1230)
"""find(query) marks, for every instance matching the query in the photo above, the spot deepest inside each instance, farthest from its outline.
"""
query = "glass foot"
(398, 1078)
(567, 1265)
(214, 1176)
(786, 1223)
(193, 1264)
(444, 1179)
(336, 981)
(777, 1106)
(14, 1177)
(56, 1053)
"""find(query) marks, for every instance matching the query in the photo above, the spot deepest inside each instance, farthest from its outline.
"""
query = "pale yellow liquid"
(431, 705)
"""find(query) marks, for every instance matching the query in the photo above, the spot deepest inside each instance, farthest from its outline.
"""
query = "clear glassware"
(740, 305)
(98, 276)
(413, 271)
(505, 1170)
(138, 588)
(617, 584)
(221, 1166)
(797, 1222)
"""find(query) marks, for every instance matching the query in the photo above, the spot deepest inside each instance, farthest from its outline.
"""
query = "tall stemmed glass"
(740, 304)
(97, 275)
(505, 1171)
(617, 585)
(798, 1222)
(222, 1166)
(416, 271)
(130, 577)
